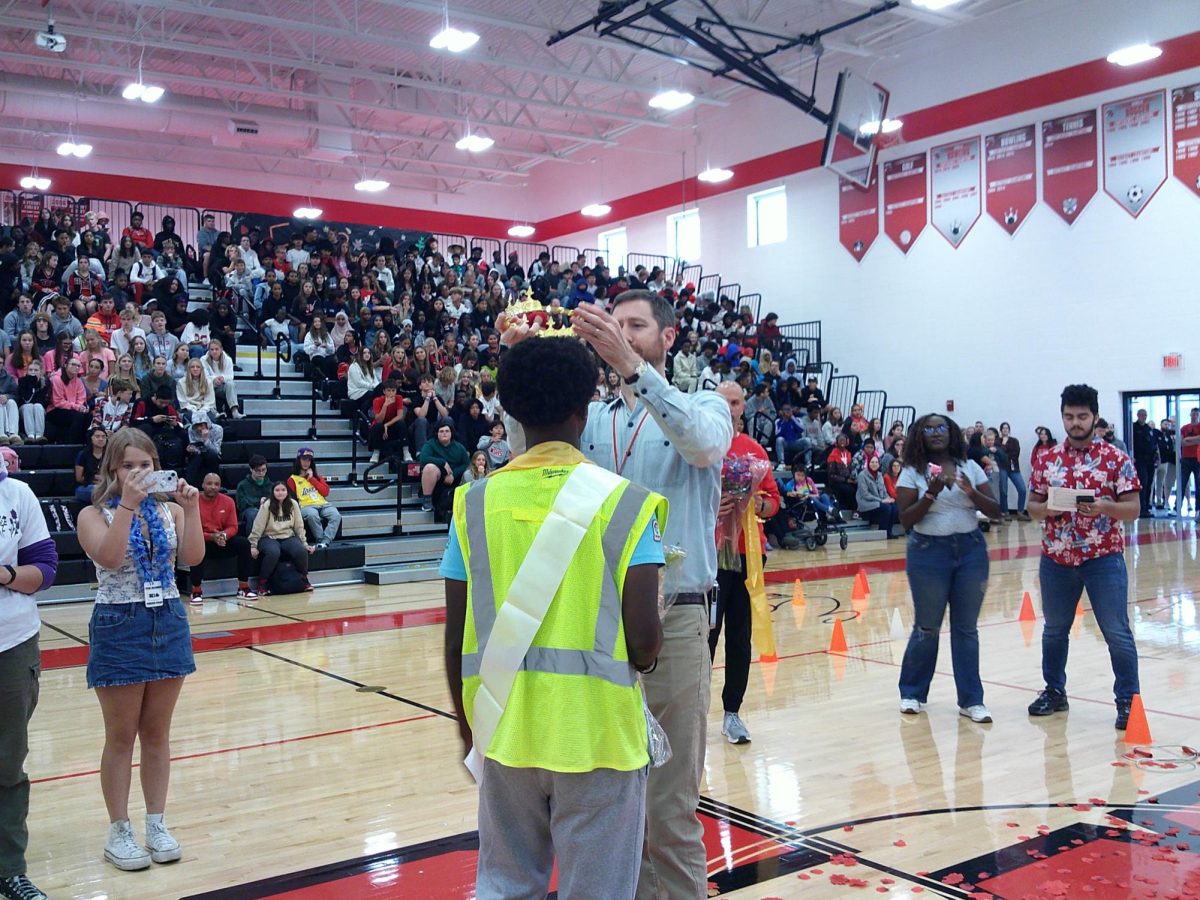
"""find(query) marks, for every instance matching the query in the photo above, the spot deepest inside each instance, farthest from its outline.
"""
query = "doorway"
(1170, 497)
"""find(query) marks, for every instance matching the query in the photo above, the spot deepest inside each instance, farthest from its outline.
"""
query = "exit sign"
(1172, 360)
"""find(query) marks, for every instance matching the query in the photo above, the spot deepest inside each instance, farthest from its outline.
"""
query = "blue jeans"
(785, 451)
(1019, 480)
(1107, 584)
(949, 570)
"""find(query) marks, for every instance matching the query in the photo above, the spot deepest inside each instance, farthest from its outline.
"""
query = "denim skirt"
(132, 644)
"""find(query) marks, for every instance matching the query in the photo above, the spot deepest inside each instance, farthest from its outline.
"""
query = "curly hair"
(543, 381)
(915, 456)
(1081, 395)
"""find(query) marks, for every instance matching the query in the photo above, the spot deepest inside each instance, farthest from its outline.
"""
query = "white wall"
(999, 325)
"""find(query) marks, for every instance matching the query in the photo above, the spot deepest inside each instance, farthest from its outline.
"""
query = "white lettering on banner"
(855, 216)
(1053, 138)
(1073, 167)
(905, 172)
(917, 201)
(993, 186)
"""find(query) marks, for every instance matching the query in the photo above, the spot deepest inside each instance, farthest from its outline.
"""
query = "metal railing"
(708, 283)
(842, 391)
(754, 302)
(693, 274)
(564, 255)
(804, 334)
(649, 260)
(377, 486)
(873, 404)
(527, 252)
(904, 414)
(283, 354)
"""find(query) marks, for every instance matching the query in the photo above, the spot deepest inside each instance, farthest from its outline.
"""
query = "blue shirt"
(647, 551)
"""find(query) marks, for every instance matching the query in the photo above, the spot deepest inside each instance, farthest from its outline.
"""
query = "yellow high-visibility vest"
(575, 704)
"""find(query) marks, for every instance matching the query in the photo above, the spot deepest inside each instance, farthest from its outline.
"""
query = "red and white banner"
(858, 216)
(1011, 176)
(1069, 164)
(905, 200)
(1185, 110)
(955, 174)
(1135, 149)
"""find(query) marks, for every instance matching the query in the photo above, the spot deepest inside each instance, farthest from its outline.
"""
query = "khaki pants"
(674, 862)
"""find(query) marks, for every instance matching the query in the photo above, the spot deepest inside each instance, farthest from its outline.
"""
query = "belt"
(691, 599)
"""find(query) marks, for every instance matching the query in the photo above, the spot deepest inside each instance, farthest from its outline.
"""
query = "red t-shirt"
(744, 445)
(1190, 430)
(383, 411)
(1070, 538)
(140, 236)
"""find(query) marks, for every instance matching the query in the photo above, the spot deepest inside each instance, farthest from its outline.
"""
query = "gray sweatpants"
(592, 821)
(19, 670)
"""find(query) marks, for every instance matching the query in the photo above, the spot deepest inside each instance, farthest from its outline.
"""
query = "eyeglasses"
(936, 429)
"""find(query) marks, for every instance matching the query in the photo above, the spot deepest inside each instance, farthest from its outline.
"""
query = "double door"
(1171, 498)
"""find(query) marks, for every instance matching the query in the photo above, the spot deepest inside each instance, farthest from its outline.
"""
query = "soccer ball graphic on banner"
(1135, 195)
(1070, 205)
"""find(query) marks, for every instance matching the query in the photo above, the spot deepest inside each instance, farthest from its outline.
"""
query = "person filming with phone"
(1084, 547)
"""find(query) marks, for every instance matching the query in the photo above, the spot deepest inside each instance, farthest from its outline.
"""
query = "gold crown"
(529, 310)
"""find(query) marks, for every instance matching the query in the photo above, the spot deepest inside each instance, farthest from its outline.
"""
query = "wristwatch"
(642, 366)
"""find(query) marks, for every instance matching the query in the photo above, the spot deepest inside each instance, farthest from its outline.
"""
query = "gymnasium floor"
(314, 757)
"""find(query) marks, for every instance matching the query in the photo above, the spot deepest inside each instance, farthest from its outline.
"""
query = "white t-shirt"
(21, 524)
(952, 512)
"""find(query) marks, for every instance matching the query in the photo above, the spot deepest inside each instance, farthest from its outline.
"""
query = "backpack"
(286, 580)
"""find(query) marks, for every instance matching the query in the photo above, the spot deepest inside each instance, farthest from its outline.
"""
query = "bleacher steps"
(401, 574)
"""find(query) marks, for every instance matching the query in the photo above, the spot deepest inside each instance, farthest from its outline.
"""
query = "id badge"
(154, 594)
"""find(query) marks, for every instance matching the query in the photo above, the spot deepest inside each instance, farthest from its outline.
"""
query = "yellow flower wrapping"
(762, 632)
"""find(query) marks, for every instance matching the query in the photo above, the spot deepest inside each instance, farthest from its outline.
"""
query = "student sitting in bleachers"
(67, 416)
(87, 463)
(252, 491)
(219, 521)
(33, 395)
(116, 409)
(203, 448)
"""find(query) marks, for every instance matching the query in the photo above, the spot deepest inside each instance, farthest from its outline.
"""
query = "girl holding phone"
(140, 644)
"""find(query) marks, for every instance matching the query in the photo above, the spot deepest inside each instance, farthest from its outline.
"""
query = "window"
(766, 217)
(613, 245)
(683, 235)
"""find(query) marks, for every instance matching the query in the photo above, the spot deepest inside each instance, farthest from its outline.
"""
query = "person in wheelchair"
(807, 514)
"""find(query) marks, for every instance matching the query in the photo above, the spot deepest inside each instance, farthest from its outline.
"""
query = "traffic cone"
(898, 633)
(861, 589)
(1079, 610)
(1138, 730)
(1027, 613)
(798, 598)
(837, 643)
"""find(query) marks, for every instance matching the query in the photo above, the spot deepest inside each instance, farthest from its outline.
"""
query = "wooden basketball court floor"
(314, 755)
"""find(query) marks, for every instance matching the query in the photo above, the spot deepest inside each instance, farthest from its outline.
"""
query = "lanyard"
(619, 462)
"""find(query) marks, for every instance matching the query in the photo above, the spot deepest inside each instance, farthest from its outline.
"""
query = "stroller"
(805, 523)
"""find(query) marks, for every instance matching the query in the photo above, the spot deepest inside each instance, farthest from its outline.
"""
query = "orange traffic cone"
(861, 589)
(1079, 610)
(837, 643)
(1138, 730)
(1027, 613)
(798, 598)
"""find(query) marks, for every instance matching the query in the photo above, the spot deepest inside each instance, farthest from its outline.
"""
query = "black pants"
(732, 610)
(393, 445)
(200, 464)
(20, 667)
(236, 546)
(844, 493)
(66, 426)
(1190, 469)
(884, 517)
(1145, 471)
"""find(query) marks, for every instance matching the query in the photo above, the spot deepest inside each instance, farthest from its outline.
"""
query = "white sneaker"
(735, 729)
(122, 850)
(374, 457)
(163, 848)
(976, 713)
(407, 455)
(910, 707)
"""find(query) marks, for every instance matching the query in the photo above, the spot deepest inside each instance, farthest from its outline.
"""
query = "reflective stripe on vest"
(599, 663)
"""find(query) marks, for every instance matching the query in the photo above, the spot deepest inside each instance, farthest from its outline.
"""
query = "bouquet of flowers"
(740, 478)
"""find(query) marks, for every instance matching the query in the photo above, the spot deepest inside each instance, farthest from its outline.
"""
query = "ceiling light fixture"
(889, 126)
(33, 182)
(671, 100)
(307, 212)
(595, 210)
(70, 148)
(521, 231)
(715, 176)
(474, 143)
(372, 185)
(934, 5)
(1131, 56)
(453, 40)
(147, 93)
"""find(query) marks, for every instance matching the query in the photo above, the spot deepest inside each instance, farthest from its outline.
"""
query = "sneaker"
(1024, 516)
(374, 457)
(163, 848)
(735, 729)
(246, 594)
(238, 414)
(408, 455)
(910, 707)
(1123, 707)
(15, 440)
(18, 887)
(197, 597)
(426, 504)
(308, 588)
(976, 713)
(1048, 702)
(123, 851)
(263, 589)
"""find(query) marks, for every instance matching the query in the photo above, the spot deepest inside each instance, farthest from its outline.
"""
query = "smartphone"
(161, 482)
(934, 470)
(1085, 498)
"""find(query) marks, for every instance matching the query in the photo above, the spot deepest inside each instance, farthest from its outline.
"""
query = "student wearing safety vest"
(551, 608)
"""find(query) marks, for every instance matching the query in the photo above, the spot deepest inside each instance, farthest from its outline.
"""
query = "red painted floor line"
(261, 635)
(291, 740)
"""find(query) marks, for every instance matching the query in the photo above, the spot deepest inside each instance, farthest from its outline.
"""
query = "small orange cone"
(1027, 613)
(1027, 632)
(837, 643)
(1079, 610)
(1138, 731)
(798, 598)
(861, 585)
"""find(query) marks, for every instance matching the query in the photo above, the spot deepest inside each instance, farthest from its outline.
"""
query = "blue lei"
(160, 566)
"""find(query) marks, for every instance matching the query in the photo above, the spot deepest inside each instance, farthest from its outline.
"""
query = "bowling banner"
(1011, 158)
(905, 200)
(858, 216)
(1135, 149)
(955, 174)
(1185, 111)
(1069, 164)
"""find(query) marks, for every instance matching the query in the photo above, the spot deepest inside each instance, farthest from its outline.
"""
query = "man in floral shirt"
(1085, 549)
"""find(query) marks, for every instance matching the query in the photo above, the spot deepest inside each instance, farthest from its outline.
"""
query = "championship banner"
(1011, 158)
(956, 171)
(1135, 149)
(858, 216)
(1069, 164)
(1185, 110)
(905, 199)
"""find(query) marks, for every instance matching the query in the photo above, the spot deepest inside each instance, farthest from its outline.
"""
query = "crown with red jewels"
(529, 311)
